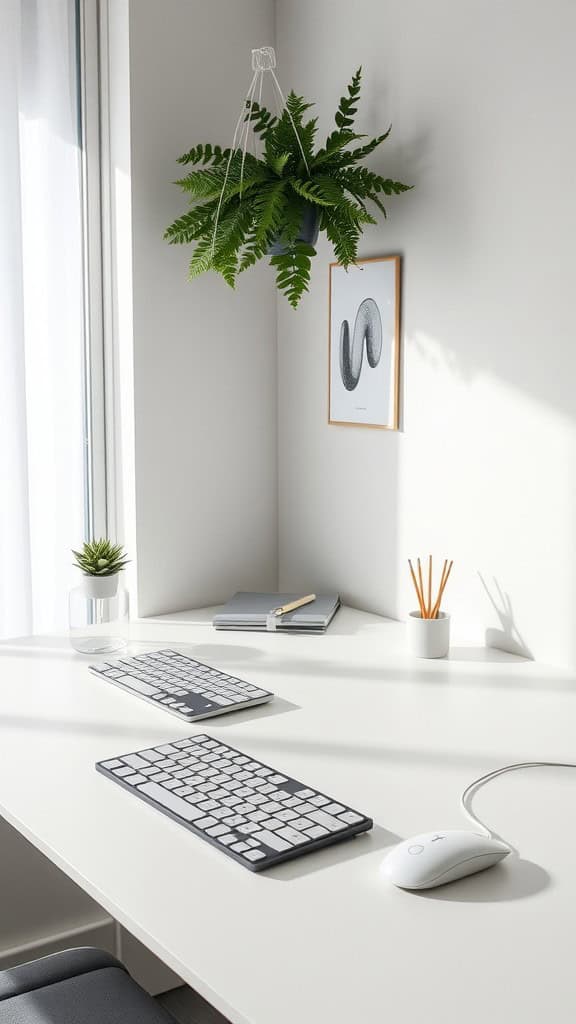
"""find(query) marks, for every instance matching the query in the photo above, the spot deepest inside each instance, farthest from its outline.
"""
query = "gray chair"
(78, 986)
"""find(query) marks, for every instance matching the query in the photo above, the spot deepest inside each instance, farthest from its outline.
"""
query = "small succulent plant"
(100, 558)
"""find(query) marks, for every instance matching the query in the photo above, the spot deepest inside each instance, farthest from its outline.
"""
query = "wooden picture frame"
(364, 343)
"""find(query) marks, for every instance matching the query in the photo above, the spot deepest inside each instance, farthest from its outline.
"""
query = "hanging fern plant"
(244, 208)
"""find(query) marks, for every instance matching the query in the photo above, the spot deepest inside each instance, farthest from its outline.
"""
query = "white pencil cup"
(428, 638)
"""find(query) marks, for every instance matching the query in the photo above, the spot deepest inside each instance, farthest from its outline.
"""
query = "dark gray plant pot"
(309, 229)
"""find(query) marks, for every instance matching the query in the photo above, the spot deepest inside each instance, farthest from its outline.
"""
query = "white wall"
(204, 357)
(481, 96)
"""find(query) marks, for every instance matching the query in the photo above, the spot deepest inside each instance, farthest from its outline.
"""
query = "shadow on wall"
(508, 637)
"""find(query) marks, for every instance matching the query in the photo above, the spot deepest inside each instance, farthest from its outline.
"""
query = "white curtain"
(41, 315)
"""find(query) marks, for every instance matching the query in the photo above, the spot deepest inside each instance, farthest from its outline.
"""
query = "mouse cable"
(464, 799)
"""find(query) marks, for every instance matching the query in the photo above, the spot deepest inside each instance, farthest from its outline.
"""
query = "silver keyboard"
(178, 683)
(248, 810)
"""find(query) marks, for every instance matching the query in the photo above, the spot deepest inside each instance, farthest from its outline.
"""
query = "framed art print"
(364, 360)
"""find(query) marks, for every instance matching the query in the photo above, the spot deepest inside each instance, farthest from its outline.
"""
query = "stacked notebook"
(250, 611)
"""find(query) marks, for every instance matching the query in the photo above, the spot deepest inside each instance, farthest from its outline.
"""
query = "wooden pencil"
(418, 594)
(421, 588)
(442, 589)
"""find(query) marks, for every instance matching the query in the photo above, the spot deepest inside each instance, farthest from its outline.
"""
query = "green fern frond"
(262, 121)
(203, 154)
(202, 258)
(192, 224)
(210, 181)
(344, 232)
(312, 192)
(361, 152)
(344, 116)
(278, 162)
(335, 143)
(230, 237)
(293, 271)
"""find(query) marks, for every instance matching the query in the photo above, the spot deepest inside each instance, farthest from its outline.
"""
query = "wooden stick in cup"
(422, 589)
(429, 606)
(418, 594)
(435, 605)
(442, 589)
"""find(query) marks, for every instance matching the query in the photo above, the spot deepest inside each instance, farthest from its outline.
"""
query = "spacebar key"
(138, 685)
(172, 803)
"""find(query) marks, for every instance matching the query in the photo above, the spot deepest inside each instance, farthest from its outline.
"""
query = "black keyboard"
(254, 813)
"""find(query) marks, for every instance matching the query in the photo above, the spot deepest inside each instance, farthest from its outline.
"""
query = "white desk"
(322, 939)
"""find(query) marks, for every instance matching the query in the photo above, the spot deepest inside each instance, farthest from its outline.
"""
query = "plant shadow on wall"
(245, 207)
(508, 637)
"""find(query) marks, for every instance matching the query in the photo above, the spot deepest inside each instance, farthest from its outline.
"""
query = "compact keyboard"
(246, 809)
(182, 685)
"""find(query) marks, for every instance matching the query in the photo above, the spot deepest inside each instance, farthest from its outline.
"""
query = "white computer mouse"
(435, 858)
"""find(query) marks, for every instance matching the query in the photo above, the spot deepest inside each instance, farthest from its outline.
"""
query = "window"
(52, 450)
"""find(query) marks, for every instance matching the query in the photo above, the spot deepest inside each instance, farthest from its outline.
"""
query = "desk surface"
(324, 938)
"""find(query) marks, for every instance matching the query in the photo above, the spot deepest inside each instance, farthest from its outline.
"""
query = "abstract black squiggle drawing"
(367, 326)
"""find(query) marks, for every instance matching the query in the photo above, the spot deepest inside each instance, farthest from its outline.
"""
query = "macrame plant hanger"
(263, 62)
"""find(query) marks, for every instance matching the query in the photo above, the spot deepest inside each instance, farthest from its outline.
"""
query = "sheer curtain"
(42, 430)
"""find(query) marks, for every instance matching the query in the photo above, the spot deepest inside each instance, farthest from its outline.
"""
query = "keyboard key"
(273, 841)
(138, 684)
(292, 836)
(272, 823)
(205, 822)
(301, 824)
(286, 815)
(110, 765)
(134, 780)
(151, 755)
(217, 830)
(240, 847)
(319, 801)
(254, 855)
(170, 801)
(334, 809)
(135, 761)
(304, 793)
(350, 817)
(332, 824)
(257, 816)
(317, 832)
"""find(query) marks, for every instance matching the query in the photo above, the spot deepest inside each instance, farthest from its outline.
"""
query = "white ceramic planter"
(428, 638)
(100, 586)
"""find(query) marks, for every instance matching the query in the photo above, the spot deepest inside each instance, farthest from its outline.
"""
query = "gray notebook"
(249, 611)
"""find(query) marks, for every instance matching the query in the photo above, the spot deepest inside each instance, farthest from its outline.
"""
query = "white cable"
(232, 152)
(243, 145)
(492, 775)
(259, 104)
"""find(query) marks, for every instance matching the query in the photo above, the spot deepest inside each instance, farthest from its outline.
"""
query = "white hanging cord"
(263, 59)
(246, 129)
(261, 82)
(492, 775)
(232, 152)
